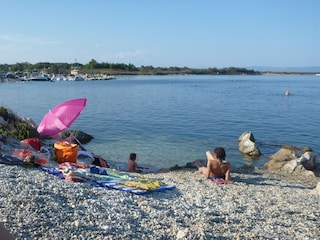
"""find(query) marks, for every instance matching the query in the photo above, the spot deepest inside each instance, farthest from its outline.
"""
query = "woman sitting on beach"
(216, 165)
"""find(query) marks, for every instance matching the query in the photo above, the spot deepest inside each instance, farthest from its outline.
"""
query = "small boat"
(75, 78)
(39, 79)
(36, 76)
(79, 78)
(108, 77)
(58, 77)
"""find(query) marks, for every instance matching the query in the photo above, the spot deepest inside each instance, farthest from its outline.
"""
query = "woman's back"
(218, 168)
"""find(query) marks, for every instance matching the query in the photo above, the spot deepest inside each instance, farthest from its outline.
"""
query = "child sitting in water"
(132, 165)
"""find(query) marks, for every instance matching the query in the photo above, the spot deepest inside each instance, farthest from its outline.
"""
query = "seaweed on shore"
(14, 126)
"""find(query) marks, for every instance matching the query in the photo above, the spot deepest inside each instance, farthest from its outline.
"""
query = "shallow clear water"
(170, 120)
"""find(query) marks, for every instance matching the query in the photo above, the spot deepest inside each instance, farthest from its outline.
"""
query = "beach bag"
(66, 152)
(99, 161)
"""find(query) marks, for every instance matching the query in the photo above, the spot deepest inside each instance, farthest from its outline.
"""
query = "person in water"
(217, 166)
(132, 164)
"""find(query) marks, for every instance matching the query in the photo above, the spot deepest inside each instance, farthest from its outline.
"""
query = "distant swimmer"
(287, 93)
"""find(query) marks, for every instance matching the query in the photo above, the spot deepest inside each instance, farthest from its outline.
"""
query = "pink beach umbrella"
(61, 117)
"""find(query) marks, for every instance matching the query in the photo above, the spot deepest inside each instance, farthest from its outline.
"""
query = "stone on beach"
(257, 205)
(287, 159)
(247, 145)
(280, 158)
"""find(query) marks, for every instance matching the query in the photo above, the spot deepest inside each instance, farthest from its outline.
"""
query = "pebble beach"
(256, 205)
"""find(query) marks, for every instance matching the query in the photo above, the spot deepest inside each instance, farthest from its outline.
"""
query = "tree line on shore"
(117, 68)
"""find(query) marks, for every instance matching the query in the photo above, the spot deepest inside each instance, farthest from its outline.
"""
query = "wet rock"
(82, 137)
(287, 159)
(3, 122)
(247, 145)
(280, 158)
(308, 160)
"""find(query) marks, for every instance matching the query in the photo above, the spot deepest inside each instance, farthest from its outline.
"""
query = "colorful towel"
(72, 172)
(219, 180)
(117, 186)
(142, 183)
(53, 171)
(106, 177)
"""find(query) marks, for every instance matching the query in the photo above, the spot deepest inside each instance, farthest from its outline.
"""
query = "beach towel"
(115, 185)
(76, 172)
(72, 172)
(96, 173)
(10, 160)
(53, 171)
(142, 183)
(112, 179)
(107, 178)
(219, 180)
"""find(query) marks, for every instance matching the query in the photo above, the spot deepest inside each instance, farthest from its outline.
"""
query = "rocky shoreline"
(257, 205)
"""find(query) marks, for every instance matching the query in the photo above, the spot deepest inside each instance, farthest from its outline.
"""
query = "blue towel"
(53, 171)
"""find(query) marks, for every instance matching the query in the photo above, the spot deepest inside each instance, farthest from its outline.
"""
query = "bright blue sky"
(163, 33)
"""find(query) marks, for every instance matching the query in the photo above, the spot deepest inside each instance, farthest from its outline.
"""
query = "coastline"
(257, 205)
(121, 73)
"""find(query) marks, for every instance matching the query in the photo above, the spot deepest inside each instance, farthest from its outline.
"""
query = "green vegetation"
(11, 125)
(95, 67)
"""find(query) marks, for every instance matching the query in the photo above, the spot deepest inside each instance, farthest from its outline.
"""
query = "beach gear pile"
(31, 154)
(62, 161)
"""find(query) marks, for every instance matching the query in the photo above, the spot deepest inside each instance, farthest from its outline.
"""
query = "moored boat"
(75, 78)
(36, 76)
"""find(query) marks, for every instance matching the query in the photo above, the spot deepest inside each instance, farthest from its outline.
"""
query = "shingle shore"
(257, 205)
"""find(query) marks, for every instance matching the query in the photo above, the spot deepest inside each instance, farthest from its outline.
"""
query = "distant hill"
(285, 69)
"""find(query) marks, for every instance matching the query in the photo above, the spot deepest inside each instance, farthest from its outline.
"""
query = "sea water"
(169, 120)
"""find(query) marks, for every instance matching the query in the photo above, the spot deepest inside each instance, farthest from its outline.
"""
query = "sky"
(163, 33)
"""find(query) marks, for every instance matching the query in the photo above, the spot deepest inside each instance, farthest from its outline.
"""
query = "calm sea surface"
(170, 120)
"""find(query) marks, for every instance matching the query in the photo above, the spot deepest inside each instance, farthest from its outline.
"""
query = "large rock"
(3, 122)
(280, 158)
(29, 121)
(287, 160)
(308, 160)
(247, 145)
(82, 137)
